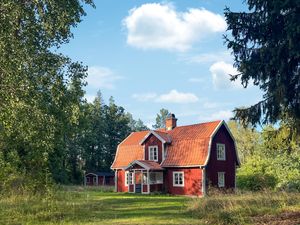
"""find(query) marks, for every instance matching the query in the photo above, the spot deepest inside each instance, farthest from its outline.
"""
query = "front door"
(138, 182)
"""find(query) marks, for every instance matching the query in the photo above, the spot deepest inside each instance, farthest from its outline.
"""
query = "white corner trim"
(118, 150)
(116, 180)
(155, 134)
(203, 181)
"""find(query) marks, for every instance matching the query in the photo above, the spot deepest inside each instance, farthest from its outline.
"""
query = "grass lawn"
(77, 205)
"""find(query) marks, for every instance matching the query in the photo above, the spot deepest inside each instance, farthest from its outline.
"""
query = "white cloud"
(101, 77)
(177, 97)
(209, 57)
(160, 26)
(221, 72)
(90, 98)
(144, 97)
(222, 115)
(219, 115)
(172, 97)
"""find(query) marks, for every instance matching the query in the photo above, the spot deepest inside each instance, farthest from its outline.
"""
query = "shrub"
(256, 181)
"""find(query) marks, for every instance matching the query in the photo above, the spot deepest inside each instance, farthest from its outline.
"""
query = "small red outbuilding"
(181, 160)
(99, 179)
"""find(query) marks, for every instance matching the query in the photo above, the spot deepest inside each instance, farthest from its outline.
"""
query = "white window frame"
(221, 179)
(128, 178)
(150, 149)
(221, 152)
(178, 173)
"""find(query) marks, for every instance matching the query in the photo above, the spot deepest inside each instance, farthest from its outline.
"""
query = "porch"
(143, 176)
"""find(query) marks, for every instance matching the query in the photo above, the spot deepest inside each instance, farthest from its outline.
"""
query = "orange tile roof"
(150, 164)
(164, 135)
(129, 150)
(189, 146)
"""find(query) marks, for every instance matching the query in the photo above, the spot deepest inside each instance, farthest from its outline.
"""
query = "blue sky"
(150, 55)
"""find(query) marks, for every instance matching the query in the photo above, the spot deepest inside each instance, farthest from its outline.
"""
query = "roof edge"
(111, 167)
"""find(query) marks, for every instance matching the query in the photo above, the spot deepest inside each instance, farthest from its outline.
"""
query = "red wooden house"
(180, 160)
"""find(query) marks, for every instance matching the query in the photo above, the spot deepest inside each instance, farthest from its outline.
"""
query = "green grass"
(77, 205)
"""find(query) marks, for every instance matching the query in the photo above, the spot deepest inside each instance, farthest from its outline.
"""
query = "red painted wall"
(228, 166)
(192, 181)
(156, 187)
(152, 140)
(145, 187)
(131, 188)
(121, 181)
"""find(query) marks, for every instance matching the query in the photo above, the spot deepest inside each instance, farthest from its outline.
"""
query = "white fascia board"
(139, 163)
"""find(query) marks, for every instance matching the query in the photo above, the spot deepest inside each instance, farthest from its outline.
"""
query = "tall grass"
(245, 207)
(100, 205)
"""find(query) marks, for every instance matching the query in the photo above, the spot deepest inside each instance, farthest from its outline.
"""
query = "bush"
(256, 181)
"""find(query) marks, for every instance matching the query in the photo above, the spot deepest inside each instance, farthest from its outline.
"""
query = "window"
(88, 179)
(221, 152)
(178, 179)
(153, 153)
(94, 180)
(128, 178)
(221, 179)
(156, 177)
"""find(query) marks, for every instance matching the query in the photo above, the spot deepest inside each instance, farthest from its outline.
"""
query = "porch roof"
(146, 164)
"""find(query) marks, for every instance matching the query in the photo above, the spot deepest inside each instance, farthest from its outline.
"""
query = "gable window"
(221, 179)
(153, 153)
(221, 152)
(178, 179)
(128, 178)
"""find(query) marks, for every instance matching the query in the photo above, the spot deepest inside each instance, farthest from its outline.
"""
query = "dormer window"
(221, 155)
(153, 153)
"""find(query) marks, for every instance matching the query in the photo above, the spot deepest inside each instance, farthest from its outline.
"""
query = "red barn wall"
(121, 181)
(228, 166)
(152, 140)
(192, 181)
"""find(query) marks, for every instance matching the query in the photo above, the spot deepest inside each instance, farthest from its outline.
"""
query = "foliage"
(248, 140)
(161, 119)
(136, 125)
(270, 158)
(265, 44)
(40, 91)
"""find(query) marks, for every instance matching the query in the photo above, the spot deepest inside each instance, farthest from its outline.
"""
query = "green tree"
(265, 44)
(248, 141)
(116, 129)
(161, 119)
(40, 91)
(136, 125)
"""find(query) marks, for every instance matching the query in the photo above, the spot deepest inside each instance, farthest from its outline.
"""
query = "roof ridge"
(200, 123)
